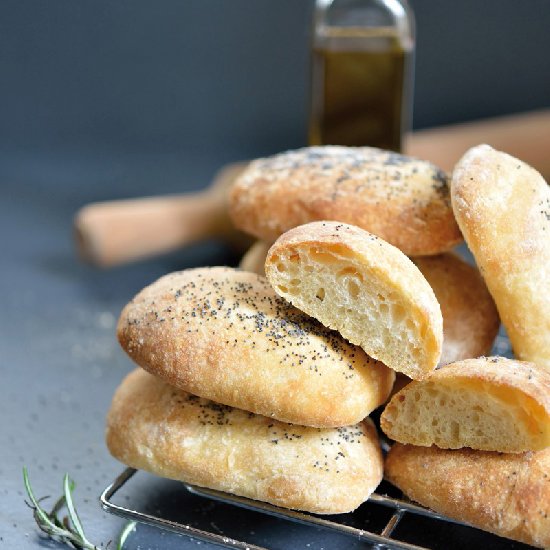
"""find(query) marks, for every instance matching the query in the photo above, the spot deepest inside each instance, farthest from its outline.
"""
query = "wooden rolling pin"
(117, 232)
(525, 136)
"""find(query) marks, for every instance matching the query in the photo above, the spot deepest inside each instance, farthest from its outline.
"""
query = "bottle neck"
(360, 20)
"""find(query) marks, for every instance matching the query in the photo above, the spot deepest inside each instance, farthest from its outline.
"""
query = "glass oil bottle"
(362, 73)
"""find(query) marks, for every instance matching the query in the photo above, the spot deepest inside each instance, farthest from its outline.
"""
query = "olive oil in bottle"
(361, 89)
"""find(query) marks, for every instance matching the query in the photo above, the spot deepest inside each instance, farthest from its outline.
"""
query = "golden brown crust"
(503, 208)
(514, 394)
(506, 494)
(402, 200)
(225, 335)
(173, 434)
(470, 318)
(377, 269)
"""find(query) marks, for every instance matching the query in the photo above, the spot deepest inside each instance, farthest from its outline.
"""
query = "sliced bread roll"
(503, 208)
(506, 494)
(171, 433)
(470, 318)
(364, 288)
(489, 403)
(225, 335)
(402, 200)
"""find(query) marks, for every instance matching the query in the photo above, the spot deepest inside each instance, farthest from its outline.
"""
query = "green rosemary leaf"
(57, 508)
(68, 486)
(40, 515)
(128, 528)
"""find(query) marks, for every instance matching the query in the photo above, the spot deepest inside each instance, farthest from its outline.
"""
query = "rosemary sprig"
(68, 529)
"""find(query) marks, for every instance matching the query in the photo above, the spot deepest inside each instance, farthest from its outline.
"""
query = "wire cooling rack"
(381, 539)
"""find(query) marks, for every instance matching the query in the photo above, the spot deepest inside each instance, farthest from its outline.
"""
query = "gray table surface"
(61, 363)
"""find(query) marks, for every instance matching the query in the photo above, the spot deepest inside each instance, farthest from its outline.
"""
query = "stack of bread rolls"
(259, 381)
(246, 394)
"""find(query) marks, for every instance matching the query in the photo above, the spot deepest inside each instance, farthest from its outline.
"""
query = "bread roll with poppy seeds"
(470, 318)
(400, 199)
(505, 494)
(489, 403)
(225, 335)
(364, 288)
(171, 433)
(503, 208)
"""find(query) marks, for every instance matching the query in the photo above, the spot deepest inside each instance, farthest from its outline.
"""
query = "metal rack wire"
(383, 539)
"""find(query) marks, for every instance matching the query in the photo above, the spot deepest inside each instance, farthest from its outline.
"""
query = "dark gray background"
(232, 75)
(105, 99)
